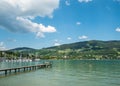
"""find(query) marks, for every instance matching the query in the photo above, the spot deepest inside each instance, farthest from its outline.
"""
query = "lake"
(65, 73)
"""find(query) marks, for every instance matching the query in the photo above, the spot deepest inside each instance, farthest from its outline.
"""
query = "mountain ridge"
(93, 49)
(85, 43)
(75, 43)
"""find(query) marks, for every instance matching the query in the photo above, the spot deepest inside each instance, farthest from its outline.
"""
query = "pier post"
(15, 70)
(5, 72)
(10, 71)
(24, 69)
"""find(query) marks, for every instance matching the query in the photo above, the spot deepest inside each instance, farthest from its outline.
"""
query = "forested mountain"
(22, 49)
(93, 49)
(93, 44)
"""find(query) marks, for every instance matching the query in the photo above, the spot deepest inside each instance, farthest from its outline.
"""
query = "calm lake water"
(66, 73)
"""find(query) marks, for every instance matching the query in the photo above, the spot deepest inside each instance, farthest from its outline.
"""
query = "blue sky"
(44, 23)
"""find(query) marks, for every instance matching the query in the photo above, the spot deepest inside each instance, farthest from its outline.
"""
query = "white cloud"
(69, 38)
(57, 44)
(39, 29)
(83, 37)
(2, 46)
(86, 1)
(67, 3)
(118, 29)
(78, 23)
(17, 15)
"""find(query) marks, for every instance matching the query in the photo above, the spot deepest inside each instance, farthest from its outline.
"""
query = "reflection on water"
(66, 73)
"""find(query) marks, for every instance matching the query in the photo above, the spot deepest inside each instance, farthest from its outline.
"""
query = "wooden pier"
(25, 68)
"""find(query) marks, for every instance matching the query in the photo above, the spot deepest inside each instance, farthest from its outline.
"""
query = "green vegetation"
(81, 50)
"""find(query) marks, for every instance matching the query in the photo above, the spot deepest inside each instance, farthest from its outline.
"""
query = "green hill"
(22, 49)
(93, 49)
(93, 44)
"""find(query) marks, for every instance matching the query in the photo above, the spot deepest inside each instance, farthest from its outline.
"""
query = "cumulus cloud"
(2, 46)
(86, 1)
(82, 37)
(57, 44)
(17, 15)
(39, 29)
(67, 3)
(118, 29)
(78, 23)
(69, 38)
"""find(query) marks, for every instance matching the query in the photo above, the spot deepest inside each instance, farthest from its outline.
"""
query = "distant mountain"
(22, 49)
(93, 44)
(93, 49)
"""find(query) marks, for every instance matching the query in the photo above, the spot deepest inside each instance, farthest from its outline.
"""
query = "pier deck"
(25, 68)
